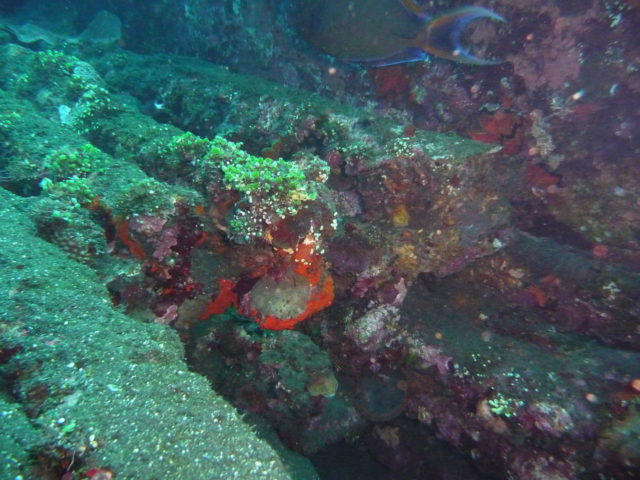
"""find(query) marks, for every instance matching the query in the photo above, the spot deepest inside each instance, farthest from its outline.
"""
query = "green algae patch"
(102, 388)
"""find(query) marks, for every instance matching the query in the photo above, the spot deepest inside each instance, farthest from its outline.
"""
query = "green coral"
(66, 86)
(272, 189)
(93, 103)
(93, 106)
(188, 151)
(189, 146)
(69, 173)
(76, 189)
(504, 406)
(265, 176)
(54, 62)
(80, 162)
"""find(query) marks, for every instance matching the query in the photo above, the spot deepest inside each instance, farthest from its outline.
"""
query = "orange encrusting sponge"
(304, 263)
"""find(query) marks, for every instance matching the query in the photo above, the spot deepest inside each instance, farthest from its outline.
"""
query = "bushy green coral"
(187, 151)
(265, 176)
(92, 107)
(69, 173)
(76, 189)
(93, 102)
(190, 147)
(504, 406)
(80, 162)
(65, 83)
(53, 62)
(272, 189)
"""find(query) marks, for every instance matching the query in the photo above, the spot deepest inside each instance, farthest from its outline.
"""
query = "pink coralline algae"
(374, 329)
(425, 356)
(548, 418)
(168, 239)
(538, 465)
(552, 57)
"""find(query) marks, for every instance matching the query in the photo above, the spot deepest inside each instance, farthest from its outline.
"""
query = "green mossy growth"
(270, 188)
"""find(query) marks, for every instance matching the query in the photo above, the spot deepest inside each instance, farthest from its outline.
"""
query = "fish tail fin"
(445, 30)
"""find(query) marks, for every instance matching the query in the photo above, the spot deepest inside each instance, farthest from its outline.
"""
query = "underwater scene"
(320, 239)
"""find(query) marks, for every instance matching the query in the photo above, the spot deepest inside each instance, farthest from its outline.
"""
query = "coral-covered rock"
(282, 375)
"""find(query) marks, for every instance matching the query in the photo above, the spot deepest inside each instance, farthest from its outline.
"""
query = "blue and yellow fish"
(386, 32)
(439, 36)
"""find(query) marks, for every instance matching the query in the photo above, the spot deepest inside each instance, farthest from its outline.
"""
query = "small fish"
(440, 37)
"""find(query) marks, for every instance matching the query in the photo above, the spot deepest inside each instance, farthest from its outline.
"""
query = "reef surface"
(390, 272)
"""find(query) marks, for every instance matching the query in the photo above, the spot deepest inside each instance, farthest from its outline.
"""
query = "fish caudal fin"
(445, 30)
